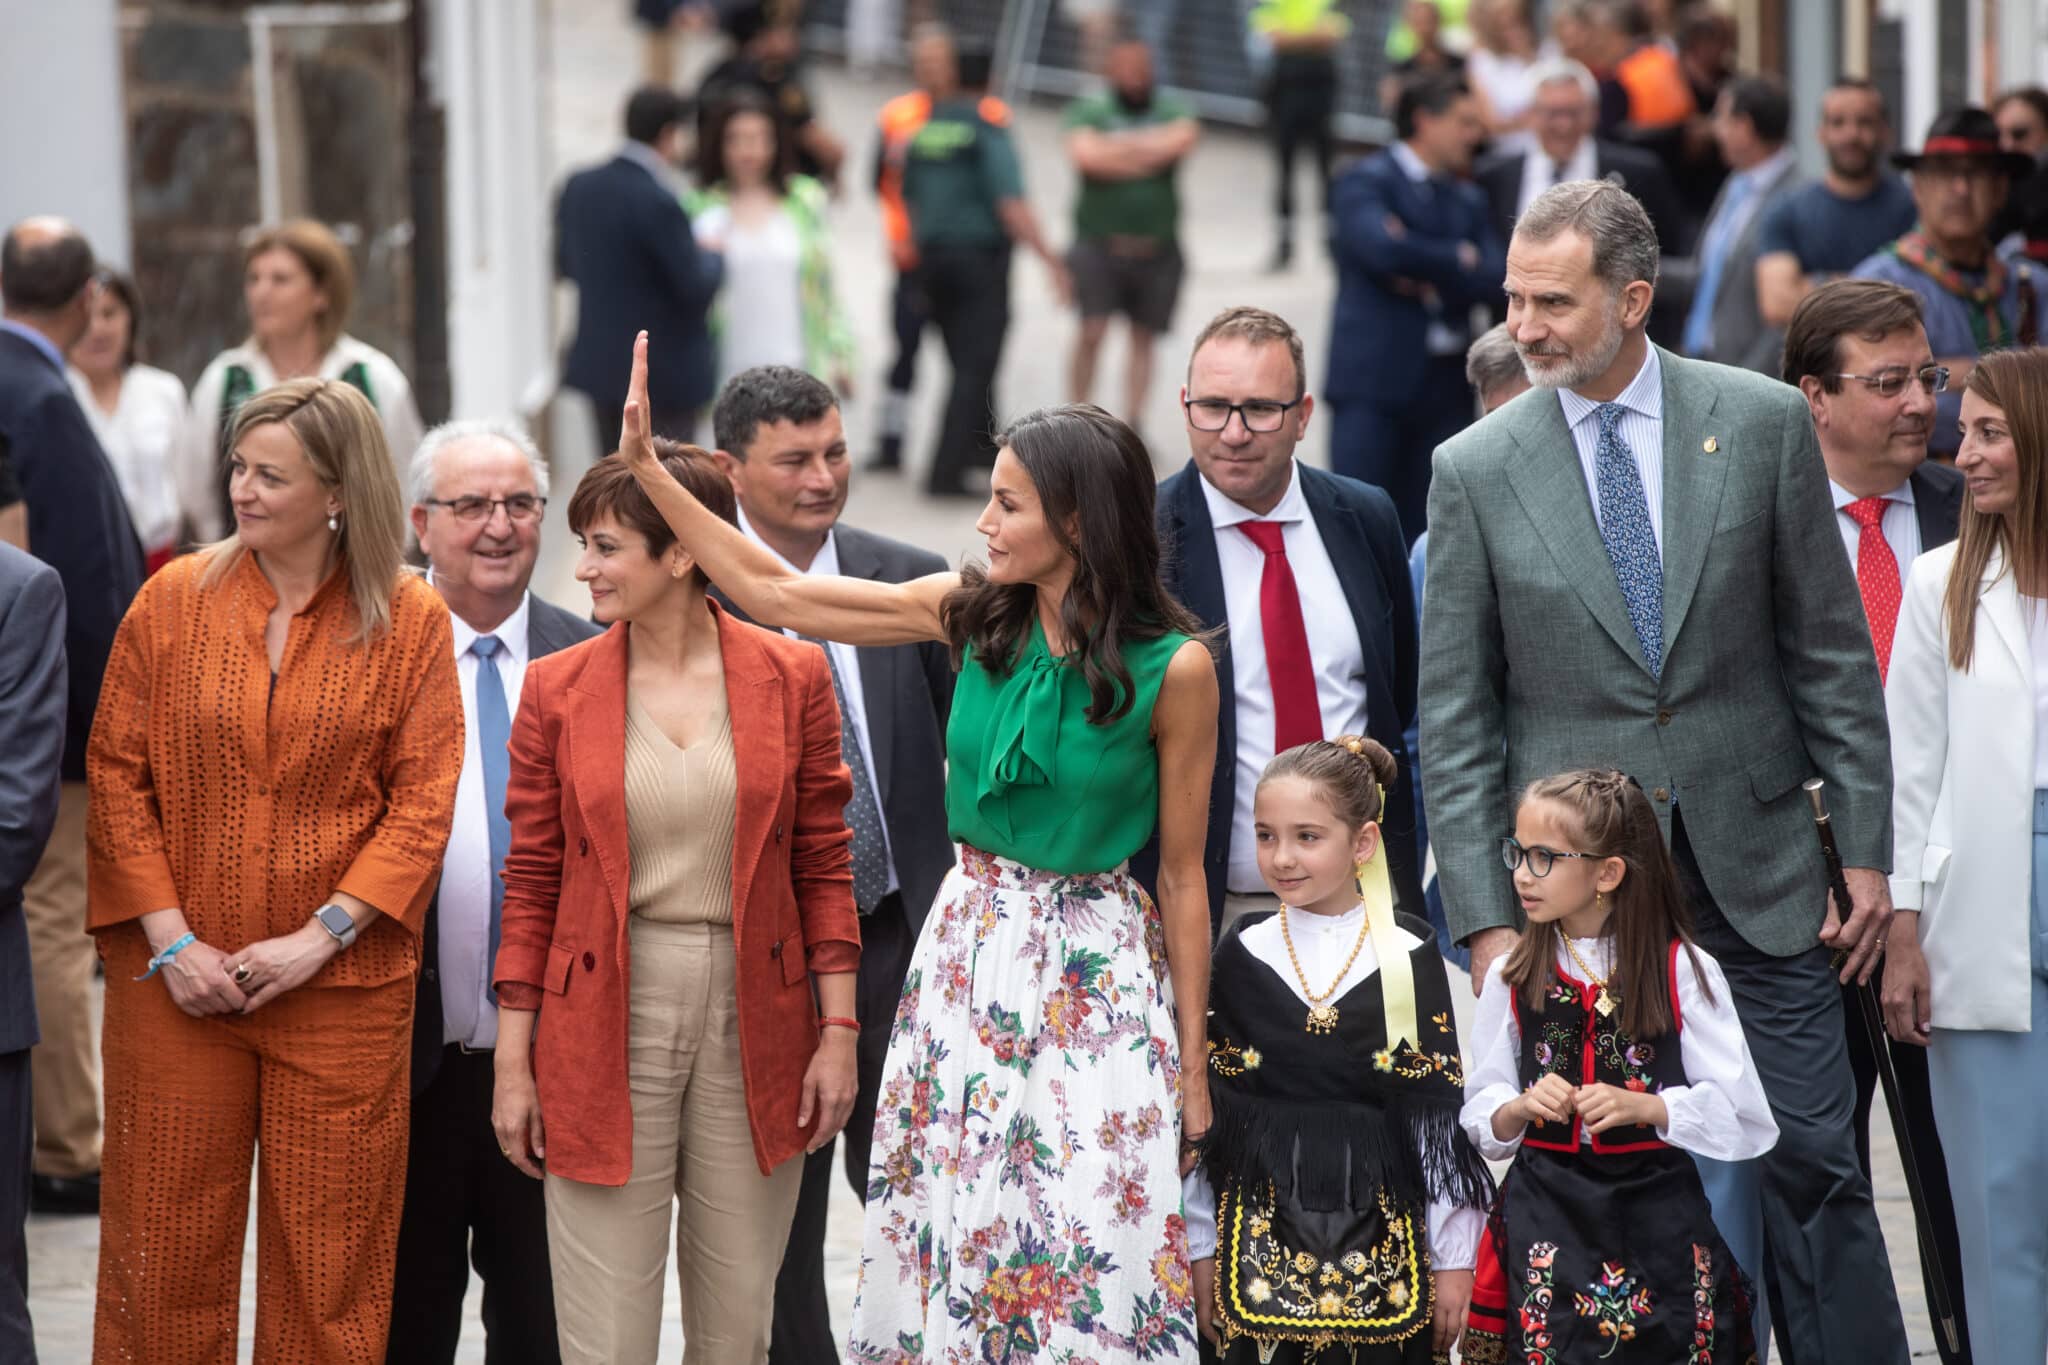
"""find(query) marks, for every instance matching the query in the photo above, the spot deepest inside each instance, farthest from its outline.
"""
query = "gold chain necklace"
(1605, 1001)
(1322, 1018)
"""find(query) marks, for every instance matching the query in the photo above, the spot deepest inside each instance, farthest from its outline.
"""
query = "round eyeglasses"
(1539, 858)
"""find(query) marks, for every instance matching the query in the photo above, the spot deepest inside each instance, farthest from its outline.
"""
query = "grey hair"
(419, 480)
(1624, 240)
(1557, 70)
(1492, 362)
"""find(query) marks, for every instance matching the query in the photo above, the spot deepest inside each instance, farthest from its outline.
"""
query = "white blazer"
(1962, 797)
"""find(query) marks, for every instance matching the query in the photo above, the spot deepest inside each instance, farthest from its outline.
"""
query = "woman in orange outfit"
(272, 778)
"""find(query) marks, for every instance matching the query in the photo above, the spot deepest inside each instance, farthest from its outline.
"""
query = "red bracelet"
(834, 1021)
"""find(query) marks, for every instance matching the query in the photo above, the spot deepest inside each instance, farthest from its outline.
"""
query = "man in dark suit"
(32, 726)
(781, 442)
(1245, 524)
(78, 525)
(1858, 351)
(1416, 250)
(478, 491)
(621, 234)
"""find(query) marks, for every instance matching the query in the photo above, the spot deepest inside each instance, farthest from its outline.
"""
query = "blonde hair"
(343, 442)
(325, 259)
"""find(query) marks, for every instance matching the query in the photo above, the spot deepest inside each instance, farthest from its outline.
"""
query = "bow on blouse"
(1024, 739)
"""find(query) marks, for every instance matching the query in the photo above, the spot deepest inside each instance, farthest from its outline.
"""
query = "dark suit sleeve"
(691, 273)
(1651, 185)
(1360, 208)
(1824, 649)
(562, 261)
(1482, 284)
(1388, 548)
(32, 719)
(10, 485)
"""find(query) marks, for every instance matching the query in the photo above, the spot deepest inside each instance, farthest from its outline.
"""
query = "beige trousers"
(65, 1069)
(691, 1145)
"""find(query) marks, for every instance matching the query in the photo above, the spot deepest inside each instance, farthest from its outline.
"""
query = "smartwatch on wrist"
(337, 923)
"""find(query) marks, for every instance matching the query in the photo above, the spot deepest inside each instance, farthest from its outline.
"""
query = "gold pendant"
(1322, 1018)
(1604, 1004)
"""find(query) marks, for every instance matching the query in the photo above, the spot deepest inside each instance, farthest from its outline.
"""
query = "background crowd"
(237, 786)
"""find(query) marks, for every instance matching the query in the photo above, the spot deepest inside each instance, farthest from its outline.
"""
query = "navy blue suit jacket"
(1390, 235)
(625, 240)
(32, 724)
(1363, 537)
(77, 522)
(1937, 503)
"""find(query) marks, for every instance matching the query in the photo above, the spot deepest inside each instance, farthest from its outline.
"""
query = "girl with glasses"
(1607, 1052)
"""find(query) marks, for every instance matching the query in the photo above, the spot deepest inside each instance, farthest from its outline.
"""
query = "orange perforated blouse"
(247, 806)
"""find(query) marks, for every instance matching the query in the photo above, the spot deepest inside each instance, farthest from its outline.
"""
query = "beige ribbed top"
(679, 821)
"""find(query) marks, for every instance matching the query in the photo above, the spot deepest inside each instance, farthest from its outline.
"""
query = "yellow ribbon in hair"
(1397, 971)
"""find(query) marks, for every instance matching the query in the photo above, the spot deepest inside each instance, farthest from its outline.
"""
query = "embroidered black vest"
(1569, 1038)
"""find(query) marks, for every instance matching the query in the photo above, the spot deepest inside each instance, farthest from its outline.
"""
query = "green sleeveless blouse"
(1030, 779)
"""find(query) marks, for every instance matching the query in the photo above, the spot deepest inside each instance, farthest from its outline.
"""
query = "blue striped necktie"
(494, 740)
(1631, 543)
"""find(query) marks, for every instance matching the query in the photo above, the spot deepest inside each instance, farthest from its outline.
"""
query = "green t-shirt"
(957, 168)
(1146, 207)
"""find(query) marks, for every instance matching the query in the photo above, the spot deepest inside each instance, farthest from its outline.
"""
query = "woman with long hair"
(135, 409)
(1024, 1196)
(272, 774)
(1966, 971)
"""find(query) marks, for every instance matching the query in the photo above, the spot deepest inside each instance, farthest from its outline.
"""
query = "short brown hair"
(325, 259)
(1869, 309)
(610, 490)
(1258, 327)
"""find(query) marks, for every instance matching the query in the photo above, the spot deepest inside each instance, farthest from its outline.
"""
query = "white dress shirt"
(140, 437)
(1323, 942)
(1332, 647)
(1720, 1112)
(463, 917)
(847, 660)
(1641, 429)
(1582, 164)
(1901, 526)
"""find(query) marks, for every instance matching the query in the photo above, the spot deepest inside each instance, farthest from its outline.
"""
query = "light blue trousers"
(1990, 1093)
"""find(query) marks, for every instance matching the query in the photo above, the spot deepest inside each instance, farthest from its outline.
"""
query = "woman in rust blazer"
(678, 908)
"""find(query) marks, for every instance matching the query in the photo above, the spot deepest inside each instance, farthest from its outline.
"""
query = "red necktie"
(1877, 576)
(1297, 716)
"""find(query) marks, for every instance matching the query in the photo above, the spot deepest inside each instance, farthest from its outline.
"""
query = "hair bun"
(1373, 754)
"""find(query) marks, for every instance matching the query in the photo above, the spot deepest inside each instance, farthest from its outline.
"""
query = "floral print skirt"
(1024, 1192)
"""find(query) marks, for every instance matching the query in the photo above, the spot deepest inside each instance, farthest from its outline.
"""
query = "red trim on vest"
(1596, 1141)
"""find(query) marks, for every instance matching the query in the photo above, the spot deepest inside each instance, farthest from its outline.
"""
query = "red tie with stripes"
(1877, 576)
(1297, 716)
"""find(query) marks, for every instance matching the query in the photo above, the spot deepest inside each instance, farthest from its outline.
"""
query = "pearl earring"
(334, 523)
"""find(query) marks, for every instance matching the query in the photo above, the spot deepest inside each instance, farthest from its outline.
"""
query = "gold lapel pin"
(1710, 445)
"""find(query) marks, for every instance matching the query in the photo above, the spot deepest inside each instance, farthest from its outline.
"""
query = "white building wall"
(65, 148)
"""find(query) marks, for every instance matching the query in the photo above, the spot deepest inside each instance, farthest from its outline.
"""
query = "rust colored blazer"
(564, 948)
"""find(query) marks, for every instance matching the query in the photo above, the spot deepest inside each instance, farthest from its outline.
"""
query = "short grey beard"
(1582, 369)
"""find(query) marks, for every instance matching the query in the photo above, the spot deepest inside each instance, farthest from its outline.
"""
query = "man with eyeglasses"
(1973, 301)
(479, 490)
(1308, 573)
(1858, 351)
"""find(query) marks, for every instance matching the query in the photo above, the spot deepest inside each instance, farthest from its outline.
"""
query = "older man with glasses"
(479, 490)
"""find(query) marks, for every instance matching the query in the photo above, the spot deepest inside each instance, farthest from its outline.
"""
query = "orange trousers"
(314, 1088)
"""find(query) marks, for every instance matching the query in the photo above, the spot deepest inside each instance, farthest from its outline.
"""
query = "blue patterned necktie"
(494, 739)
(1631, 543)
(863, 816)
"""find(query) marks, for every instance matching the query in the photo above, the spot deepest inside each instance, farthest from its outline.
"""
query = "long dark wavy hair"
(1095, 485)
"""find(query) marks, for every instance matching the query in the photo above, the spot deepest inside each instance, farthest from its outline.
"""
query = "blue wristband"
(167, 954)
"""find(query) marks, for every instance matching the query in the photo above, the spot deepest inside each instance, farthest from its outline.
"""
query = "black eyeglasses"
(518, 507)
(1892, 383)
(1539, 858)
(1257, 414)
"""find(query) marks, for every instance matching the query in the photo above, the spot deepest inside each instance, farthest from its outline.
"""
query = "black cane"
(1872, 1016)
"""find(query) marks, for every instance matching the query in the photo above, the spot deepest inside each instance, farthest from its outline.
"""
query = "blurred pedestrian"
(298, 285)
(1127, 142)
(1825, 228)
(964, 189)
(1426, 54)
(136, 411)
(770, 222)
(623, 238)
(272, 781)
(32, 718)
(1967, 972)
(781, 442)
(2022, 118)
(1301, 99)
(1723, 320)
(478, 492)
(1500, 68)
(1973, 300)
(78, 524)
(676, 974)
(767, 57)
(1416, 250)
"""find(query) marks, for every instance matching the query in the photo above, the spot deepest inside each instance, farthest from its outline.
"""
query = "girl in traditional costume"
(1606, 1049)
(1338, 1209)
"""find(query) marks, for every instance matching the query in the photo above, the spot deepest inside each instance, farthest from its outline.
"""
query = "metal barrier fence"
(1204, 49)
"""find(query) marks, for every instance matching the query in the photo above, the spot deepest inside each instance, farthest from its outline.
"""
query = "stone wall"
(339, 100)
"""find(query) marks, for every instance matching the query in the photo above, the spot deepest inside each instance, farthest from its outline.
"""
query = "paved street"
(1226, 193)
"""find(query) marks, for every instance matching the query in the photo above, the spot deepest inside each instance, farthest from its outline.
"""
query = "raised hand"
(636, 434)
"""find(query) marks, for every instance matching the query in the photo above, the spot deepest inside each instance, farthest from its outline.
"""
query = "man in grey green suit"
(1636, 565)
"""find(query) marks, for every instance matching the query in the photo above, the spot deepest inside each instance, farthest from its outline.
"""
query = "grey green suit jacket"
(1530, 667)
